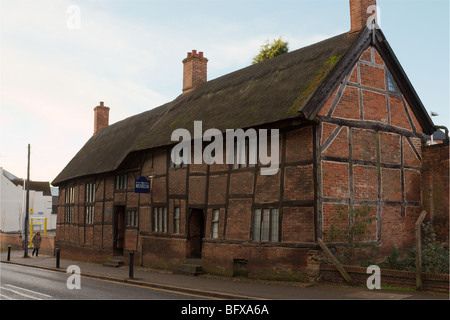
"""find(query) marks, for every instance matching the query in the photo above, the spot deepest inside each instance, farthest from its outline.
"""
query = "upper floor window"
(69, 210)
(121, 182)
(90, 193)
(70, 195)
(391, 84)
(90, 203)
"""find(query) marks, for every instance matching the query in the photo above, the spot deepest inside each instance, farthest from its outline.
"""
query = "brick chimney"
(194, 70)
(360, 13)
(101, 117)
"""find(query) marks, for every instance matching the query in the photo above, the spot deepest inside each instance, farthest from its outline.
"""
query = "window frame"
(89, 203)
(121, 182)
(69, 205)
(266, 225)
(160, 219)
(390, 83)
(132, 218)
(215, 223)
(176, 219)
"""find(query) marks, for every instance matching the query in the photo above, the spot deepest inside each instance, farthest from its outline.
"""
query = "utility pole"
(27, 209)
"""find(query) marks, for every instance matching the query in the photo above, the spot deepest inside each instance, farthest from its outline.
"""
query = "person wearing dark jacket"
(36, 240)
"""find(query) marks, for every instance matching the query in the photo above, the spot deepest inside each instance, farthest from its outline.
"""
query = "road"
(27, 283)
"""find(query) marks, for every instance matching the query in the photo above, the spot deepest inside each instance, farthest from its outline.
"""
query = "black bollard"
(9, 253)
(57, 257)
(131, 264)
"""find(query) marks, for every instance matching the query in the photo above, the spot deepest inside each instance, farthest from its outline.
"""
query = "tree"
(271, 50)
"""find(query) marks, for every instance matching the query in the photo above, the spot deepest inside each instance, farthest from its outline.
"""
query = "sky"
(60, 58)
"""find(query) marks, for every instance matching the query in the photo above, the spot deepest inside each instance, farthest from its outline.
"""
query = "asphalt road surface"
(27, 283)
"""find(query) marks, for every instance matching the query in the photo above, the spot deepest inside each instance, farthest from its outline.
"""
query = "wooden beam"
(371, 125)
(338, 265)
(419, 250)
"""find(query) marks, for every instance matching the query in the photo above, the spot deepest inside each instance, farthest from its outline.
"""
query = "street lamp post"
(27, 209)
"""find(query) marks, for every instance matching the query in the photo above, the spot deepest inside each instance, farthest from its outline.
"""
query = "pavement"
(218, 287)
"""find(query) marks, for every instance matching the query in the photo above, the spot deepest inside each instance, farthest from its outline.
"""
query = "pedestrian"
(36, 240)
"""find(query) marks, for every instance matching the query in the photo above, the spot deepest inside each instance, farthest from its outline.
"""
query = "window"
(90, 203)
(215, 224)
(121, 182)
(90, 192)
(159, 219)
(176, 220)
(132, 218)
(69, 210)
(89, 214)
(391, 84)
(265, 225)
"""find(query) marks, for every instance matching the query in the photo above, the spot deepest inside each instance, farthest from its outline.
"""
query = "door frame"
(119, 230)
(197, 221)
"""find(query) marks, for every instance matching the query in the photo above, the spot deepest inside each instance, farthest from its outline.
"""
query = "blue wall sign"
(141, 185)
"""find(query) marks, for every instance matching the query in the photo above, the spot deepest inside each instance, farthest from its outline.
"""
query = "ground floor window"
(176, 220)
(132, 218)
(215, 224)
(266, 224)
(159, 219)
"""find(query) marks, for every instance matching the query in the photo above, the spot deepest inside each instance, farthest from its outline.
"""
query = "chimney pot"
(194, 70)
(101, 117)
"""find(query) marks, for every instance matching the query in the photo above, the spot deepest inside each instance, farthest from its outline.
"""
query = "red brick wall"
(15, 241)
(296, 225)
(271, 262)
(235, 192)
(435, 187)
(166, 253)
(370, 154)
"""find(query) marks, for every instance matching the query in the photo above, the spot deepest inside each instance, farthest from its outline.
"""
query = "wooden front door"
(119, 230)
(196, 232)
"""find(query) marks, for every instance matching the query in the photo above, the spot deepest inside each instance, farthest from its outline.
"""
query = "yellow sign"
(31, 211)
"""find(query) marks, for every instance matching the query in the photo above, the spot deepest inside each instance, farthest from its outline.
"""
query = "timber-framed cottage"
(351, 130)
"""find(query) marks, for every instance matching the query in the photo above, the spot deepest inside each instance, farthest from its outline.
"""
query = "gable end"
(343, 71)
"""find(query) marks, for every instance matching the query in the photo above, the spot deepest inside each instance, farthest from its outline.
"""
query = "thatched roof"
(266, 92)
